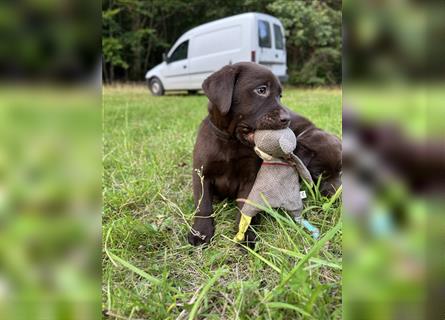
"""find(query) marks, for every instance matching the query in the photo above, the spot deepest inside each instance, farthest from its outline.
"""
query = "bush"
(322, 68)
(313, 39)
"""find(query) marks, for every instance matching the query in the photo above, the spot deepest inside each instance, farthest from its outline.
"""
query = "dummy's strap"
(276, 163)
(263, 155)
(267, 158)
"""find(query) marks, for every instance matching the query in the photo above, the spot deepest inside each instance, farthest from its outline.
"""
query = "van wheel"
(192, 92)
(155, 86)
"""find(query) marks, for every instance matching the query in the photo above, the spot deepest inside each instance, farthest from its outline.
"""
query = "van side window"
(278, 37)
(264, 38)
(180, 52)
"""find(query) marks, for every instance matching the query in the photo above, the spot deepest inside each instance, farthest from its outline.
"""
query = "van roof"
(242, 15)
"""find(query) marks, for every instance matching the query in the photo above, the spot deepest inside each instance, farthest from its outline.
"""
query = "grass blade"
(314, 297)
(135, 269)
(204, 291)
(277, 216)
(299, 255)
(107, 252)
(318, 245)
(282, 305)
(329, 204)
(270, 264)
(311, 252)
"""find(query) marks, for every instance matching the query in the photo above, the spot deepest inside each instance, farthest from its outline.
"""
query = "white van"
(205, 49)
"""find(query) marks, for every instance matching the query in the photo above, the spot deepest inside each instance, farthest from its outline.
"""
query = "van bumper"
(284, 78)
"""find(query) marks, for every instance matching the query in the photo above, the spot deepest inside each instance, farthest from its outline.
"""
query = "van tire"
(192, 92)
(156, 87)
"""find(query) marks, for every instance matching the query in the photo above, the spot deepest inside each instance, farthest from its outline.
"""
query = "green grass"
(149, 269)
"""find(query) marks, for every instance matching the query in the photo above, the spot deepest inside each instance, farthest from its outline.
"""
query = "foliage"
(149, 269)
(322, 68)
(136, 33)
(313, 33)
(112, 52)
(49, 40)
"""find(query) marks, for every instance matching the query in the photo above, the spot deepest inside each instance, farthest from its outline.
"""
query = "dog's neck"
(220, 125)
(224, 135)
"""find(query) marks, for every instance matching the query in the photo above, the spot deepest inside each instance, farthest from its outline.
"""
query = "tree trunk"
(137, 64)
(104, 72)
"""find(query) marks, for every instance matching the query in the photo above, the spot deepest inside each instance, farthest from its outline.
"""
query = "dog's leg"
(203, 225)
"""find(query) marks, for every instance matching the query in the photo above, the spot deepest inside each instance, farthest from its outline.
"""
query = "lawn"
(149, 269)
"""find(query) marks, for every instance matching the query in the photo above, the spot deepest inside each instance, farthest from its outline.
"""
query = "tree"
(313, 33)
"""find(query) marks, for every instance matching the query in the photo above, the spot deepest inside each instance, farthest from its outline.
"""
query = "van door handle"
(184, 67)
(276, 56)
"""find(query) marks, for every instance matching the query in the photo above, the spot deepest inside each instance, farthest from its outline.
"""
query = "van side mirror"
(164, 57)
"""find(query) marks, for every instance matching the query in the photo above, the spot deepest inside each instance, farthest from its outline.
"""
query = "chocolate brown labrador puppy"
(244, 97)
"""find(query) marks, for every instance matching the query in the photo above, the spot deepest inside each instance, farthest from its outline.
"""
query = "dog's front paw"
(202, 231)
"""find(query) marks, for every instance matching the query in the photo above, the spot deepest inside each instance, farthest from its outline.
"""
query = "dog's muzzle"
(274, 120)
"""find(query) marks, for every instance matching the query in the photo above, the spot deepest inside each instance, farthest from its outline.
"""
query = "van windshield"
(278, 37)
(264, 38)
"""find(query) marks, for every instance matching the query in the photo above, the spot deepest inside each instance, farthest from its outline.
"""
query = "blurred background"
(50, 159)
(393, 160)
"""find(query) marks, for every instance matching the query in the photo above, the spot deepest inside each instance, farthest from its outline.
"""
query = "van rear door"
(271, 46)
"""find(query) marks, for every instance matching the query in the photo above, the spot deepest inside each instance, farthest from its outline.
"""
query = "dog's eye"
(261, 90)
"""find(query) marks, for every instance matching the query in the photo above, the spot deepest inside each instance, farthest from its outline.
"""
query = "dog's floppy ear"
(218, 87)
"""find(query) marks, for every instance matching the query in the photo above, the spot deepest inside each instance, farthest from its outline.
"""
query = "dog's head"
(245, 97)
